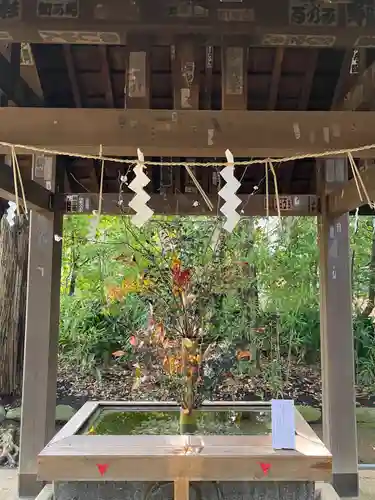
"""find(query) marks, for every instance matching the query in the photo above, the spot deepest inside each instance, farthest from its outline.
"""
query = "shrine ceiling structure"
(98, 72)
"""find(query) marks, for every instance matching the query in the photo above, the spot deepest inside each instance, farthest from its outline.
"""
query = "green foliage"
(92, 330)
(259, 287)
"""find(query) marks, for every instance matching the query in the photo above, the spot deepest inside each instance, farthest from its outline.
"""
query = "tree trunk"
(13, 284)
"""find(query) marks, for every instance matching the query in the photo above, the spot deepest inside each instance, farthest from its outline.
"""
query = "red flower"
(133, 341)
(180, 278)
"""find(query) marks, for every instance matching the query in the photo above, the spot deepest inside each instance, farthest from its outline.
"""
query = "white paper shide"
(228, 193)
(139, 203)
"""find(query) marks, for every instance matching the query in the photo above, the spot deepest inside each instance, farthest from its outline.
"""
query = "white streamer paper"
(139, 203)
(228, 193)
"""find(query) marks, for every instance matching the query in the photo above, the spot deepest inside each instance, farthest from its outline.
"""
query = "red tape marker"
(265, 468)
(102, 468)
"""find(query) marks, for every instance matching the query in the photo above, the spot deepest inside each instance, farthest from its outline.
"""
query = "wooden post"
(41, 336)
(339, 420)
(181, 488)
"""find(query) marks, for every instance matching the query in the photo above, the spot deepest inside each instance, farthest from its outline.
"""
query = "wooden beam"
(234, 77)
(337, 349)
(184, 204)
(72, 75)
(106, 75)
(346, 197)
(37, 197)
(21, 55)
(12, 53)
(13, 85)
(275, 79)
(41, 332)
(344, 81)
(187, 132)
(29, 70)
(282, 23)
(362, 94)
(308, 80)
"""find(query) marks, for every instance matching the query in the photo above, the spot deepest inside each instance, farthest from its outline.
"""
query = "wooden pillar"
(338, 391)
(42, 329)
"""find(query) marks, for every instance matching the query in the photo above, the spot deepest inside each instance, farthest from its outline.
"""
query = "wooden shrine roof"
(93, 76)
(287, 63)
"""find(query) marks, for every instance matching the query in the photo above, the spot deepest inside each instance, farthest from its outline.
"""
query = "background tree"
(13, 280)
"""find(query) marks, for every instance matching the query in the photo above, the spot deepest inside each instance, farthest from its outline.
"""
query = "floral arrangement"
(180, 301)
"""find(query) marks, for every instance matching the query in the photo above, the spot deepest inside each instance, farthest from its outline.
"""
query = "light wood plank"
(181, 489)
(187, 133)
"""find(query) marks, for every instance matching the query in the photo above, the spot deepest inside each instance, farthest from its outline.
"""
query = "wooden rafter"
(276, 73)
(363, 92)
(346, 198)
(308, 80)
(343, 82)
(72, 75)
(29, 70)
(107, 77)
(12, 82)
(22, 58)
(110, 21)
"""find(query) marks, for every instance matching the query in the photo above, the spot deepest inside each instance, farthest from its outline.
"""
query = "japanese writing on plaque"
(187, 9)
(365, 41)
(75, 203)
(298, 40)
(236, 15)
(84, 37)
(26, 55)
(360, 13)
(10, 9)
(58, 8)
(312, 13)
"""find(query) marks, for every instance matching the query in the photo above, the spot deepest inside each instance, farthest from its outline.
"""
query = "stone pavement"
(8, 486)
